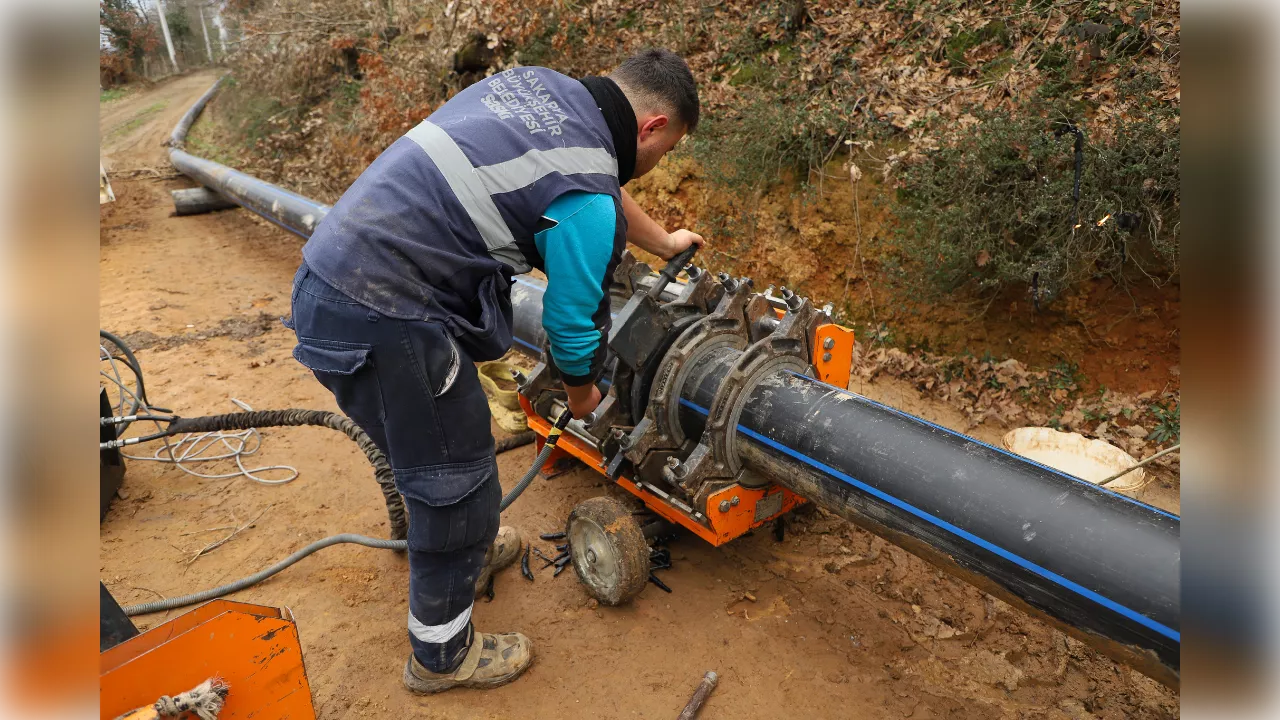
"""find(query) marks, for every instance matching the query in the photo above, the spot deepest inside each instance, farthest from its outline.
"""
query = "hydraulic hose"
(242, 583)
(276, 418)
(399, 526)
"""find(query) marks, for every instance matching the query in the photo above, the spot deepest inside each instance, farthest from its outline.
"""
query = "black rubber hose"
(276, 418)
(399, 529)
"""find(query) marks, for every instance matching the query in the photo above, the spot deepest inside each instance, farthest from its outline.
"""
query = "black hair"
(663, 78)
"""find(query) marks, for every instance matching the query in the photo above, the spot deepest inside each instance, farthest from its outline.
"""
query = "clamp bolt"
(519, 377)
(826, 357)
(734, 501)
(724, 506)
(793, 301)
(828, 343)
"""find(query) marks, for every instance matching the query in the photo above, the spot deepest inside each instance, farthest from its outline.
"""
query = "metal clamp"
(725, 327)
(788, 347)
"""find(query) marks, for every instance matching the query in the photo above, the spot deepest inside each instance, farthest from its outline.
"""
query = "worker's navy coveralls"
(406, 282)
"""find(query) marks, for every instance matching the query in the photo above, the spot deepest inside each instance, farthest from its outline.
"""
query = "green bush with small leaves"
(993, 208)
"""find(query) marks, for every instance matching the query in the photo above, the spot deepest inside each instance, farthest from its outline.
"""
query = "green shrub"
(993, 208)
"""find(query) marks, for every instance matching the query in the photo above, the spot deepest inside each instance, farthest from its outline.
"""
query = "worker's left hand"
(681, 239)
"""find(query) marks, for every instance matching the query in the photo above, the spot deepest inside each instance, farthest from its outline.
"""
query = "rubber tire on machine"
(609, 551)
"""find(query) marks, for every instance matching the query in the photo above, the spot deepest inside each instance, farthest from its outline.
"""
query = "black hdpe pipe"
(1101, 566)
(295, 213)
(1104, 567)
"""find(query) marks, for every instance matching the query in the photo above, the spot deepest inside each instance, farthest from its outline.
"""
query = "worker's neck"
(620, 117)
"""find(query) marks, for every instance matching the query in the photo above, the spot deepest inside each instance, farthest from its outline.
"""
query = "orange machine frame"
(833, 366)
(254, 648)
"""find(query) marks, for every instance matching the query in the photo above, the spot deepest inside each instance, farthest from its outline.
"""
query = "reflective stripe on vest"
(473, 186)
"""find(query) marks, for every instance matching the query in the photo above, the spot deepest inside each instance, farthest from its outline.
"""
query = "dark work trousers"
(417, 395)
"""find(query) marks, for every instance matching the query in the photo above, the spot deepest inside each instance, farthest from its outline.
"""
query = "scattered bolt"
(552, 536)
(661, 585)
(524, 564)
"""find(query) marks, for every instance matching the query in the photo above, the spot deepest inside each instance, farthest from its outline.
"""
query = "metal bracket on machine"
(640, 334)
(714, 462)
(728, 326)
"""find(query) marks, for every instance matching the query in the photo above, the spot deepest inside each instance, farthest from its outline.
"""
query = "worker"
(406, 283)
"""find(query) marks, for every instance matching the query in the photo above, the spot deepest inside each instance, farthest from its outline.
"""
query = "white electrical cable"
(192, 447)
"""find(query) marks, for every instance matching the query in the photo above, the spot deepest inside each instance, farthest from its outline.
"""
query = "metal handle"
(673, 268)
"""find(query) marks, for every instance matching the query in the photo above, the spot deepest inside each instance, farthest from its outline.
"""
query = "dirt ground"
(842, 624)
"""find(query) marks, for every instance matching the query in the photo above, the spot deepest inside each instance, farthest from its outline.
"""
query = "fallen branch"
(219, 543)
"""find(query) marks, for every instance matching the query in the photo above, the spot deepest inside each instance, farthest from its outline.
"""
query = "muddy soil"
(830, 622)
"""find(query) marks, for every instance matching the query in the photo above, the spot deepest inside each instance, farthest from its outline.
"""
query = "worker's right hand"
(680, 240)
(582, 399)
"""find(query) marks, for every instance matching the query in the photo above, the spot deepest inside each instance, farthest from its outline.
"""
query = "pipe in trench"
(1098, 565)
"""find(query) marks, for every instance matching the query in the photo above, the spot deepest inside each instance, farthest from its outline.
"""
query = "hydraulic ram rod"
(1101, 566)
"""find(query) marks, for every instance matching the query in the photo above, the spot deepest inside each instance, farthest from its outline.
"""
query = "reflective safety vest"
(436, 227)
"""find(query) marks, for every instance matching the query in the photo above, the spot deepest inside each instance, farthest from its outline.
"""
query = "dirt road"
(841, 625)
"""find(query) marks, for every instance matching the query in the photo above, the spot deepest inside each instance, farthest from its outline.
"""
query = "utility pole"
(222, 29)
(168, 41)
(207, 47)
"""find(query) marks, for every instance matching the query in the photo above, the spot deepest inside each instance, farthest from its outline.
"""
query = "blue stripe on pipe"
(976, 441)
(960, 532)
(527, 344)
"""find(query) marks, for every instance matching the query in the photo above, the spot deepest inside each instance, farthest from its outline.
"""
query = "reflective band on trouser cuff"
(439, 633)
(534, 165)
(464, 182)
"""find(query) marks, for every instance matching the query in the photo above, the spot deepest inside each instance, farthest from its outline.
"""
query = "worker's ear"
(652, 126)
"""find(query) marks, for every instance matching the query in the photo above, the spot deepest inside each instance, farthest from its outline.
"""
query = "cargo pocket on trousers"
(347, 370)
(448, 483)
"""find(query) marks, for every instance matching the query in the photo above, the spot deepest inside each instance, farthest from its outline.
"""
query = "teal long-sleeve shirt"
(576, 254)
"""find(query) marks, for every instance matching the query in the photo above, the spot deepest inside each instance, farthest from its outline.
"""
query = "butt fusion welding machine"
(665, 334)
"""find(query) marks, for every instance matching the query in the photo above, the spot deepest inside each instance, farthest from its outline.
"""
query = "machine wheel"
(608, 549)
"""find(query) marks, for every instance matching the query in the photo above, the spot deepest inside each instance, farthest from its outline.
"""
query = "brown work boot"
(491, 661)
(504, 551)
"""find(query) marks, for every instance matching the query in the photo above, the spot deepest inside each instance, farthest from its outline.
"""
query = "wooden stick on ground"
(700, 696)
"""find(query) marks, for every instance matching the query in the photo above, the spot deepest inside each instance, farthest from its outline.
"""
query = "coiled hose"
(278, 418)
